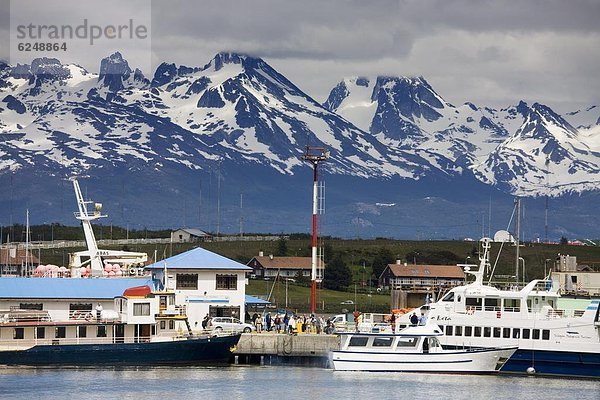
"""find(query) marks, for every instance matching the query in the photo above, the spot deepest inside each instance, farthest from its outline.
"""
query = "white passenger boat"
(551, 341)
(414, 349)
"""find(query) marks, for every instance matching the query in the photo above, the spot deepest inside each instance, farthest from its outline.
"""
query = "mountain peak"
(230, 57)
(114, 69)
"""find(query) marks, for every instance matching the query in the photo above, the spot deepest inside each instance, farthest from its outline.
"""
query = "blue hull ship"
(200, 350)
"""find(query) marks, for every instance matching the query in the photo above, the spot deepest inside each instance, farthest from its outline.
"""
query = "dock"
(279, 348)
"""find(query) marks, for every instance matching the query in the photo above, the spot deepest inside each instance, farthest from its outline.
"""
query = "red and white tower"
(314, 155)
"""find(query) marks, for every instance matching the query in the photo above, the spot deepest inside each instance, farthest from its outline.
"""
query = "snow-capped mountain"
(404, 112)
(237, 115)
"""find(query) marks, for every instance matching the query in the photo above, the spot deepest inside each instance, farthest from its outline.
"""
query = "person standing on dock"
(259, 324)
(268, 322)
(205, 322)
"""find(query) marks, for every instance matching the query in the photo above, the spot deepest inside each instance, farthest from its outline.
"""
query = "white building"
(189, 235)
(205, 282)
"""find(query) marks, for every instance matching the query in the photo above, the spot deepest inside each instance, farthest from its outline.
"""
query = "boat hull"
(213, 350)
(478, 361)
(556, 363)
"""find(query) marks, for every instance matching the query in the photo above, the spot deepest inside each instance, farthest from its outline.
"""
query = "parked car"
(347, 302)
(229, 324)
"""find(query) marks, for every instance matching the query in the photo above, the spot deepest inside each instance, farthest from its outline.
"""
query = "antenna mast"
(314, 155)
(86, 216)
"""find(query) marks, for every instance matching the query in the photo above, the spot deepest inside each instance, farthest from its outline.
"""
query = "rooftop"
(67, 288)
(199, 258)
(427, 271)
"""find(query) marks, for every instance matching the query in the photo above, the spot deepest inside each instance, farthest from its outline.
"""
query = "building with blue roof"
(208, 283)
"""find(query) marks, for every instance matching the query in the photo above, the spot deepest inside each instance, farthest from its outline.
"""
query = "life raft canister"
(498, 315)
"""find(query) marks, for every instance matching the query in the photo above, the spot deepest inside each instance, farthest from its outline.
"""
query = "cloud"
(490, 52)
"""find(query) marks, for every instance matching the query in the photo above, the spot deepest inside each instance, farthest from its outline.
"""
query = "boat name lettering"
(440, 318)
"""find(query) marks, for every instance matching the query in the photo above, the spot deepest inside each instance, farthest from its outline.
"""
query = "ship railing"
(176, 311)
(21, 344)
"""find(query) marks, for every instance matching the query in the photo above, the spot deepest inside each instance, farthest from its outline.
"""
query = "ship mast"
(85, 216)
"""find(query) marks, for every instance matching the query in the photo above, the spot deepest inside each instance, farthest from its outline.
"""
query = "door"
(120, 333)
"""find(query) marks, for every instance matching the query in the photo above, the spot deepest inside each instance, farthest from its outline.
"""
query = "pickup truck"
(368, 322)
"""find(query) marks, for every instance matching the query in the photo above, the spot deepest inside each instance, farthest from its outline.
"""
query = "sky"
(491, 53)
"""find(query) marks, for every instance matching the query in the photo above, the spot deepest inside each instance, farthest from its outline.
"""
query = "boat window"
(468, 330)
(171, 324)
(40, 332)
(458, 331)
(358, 341)
(407, 341)
(496, 332)
(60, 332)
(525, 333)
(516, 333)
(401, 326)
(31, 306)
(492, 304)
(512, 305)
(545, 334)
(82, 331)
(458, 299)
(140, 309)
(474, 302)
(101, 332)
(448, 330)
(487, 331)
(506, 332)
(19, 333)
(382, 341)
(477, 331)
(434, 342)
(449, 297)
(536, 334)
(163, 324)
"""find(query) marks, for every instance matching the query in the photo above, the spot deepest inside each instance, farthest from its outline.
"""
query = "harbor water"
(276, 382)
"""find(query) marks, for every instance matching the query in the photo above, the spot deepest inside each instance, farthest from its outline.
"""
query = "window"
(171, 324)
(474, 302)
(40, 332)
(449, 297)
(487, 331)
(468, 330)
(448, 330)
(545, 334)
(536, 334)
(477, 331)
(407, 342)
(80, 307)
(19, 333)
(506, 332)
(141, 309)
(82, 331)
(358, 341)
(382, 341)
(492, 304)
(31, 306)
(226, 282)
(101, 331)
(163, 324)
(187, 281)
(525, 333)
(60, 332)
(458, 331)
(496, 332)
(512, 305)
(516, 333)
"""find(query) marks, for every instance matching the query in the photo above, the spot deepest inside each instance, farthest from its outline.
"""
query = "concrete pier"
(273, 348)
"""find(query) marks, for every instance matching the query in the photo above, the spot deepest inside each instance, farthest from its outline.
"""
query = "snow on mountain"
(584, 119)
(243, 104)
(546, 155)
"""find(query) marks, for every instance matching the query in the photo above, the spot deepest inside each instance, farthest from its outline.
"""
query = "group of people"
(415, 320)
(292, 324)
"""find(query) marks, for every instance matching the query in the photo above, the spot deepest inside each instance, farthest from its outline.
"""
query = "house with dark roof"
(189, 235)
(12, 261)
(414, 283)
(287, 267)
